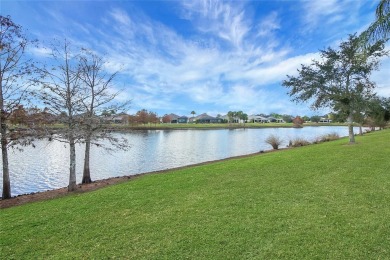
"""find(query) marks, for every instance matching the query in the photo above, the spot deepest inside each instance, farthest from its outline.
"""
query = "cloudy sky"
(207, 56)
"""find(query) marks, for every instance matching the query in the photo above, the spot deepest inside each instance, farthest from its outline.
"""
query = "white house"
(258, 119)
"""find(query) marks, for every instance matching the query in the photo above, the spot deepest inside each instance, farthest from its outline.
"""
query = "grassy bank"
(325, 201)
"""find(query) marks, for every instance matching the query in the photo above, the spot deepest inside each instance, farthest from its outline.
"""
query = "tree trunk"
(72, 169)
(6, 180)
(86, 172)
(360, 130)
(350, 129)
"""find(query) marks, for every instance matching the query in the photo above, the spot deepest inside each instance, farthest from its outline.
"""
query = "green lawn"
(325, 201)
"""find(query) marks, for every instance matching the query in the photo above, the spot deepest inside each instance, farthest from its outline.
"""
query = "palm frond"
(380, 28)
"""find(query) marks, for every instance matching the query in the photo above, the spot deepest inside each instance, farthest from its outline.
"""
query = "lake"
(46, 166)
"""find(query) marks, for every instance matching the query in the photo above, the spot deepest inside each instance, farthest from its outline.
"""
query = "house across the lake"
(175, 119)
(325, 120)
(182, 120)
(264, 119)
(258, 119)
(121, 118)
(276, 120)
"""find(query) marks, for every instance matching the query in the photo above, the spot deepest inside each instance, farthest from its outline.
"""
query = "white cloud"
(158, 65)
(269, 24)
(165, 65)
(220, 18)
(330, 12)
(40, 51)
(121, 17)
(381, 78)
(231, 60)
(276, 71)
(318, 10)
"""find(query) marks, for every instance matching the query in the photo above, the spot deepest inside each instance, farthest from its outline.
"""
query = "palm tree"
(380, 28)
(231, 116)
(193, 113)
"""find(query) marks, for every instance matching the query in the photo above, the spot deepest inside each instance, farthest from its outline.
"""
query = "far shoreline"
(124, 128)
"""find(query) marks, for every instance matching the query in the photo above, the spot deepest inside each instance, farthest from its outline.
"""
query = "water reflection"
(47, 166)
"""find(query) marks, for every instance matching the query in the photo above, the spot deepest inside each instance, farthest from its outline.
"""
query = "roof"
(204, 116)
(259, 117)
(173, 116)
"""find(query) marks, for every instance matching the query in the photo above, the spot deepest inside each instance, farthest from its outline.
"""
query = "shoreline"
(98, 184)
(215, 126)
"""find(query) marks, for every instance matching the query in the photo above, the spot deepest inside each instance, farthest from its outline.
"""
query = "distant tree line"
(237, 116)
(144, 117)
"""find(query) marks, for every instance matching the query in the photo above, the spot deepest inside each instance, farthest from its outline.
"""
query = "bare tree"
(15, 74)
(62, 93)
(166, 119)
(142, 116)
(97, 87)
(153, 118)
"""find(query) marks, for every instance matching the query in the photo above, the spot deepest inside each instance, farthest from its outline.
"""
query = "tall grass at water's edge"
(326, 201)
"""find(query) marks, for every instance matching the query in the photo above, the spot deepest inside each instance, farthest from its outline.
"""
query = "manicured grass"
(325, 201)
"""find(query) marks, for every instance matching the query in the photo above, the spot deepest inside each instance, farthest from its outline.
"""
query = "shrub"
(328, 137)
(299, 142)
(298, 120)
(274, 141)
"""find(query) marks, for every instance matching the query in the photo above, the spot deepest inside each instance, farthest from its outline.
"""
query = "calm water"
(46, 166)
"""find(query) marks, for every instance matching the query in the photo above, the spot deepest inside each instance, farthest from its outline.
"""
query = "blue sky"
(206, 56)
